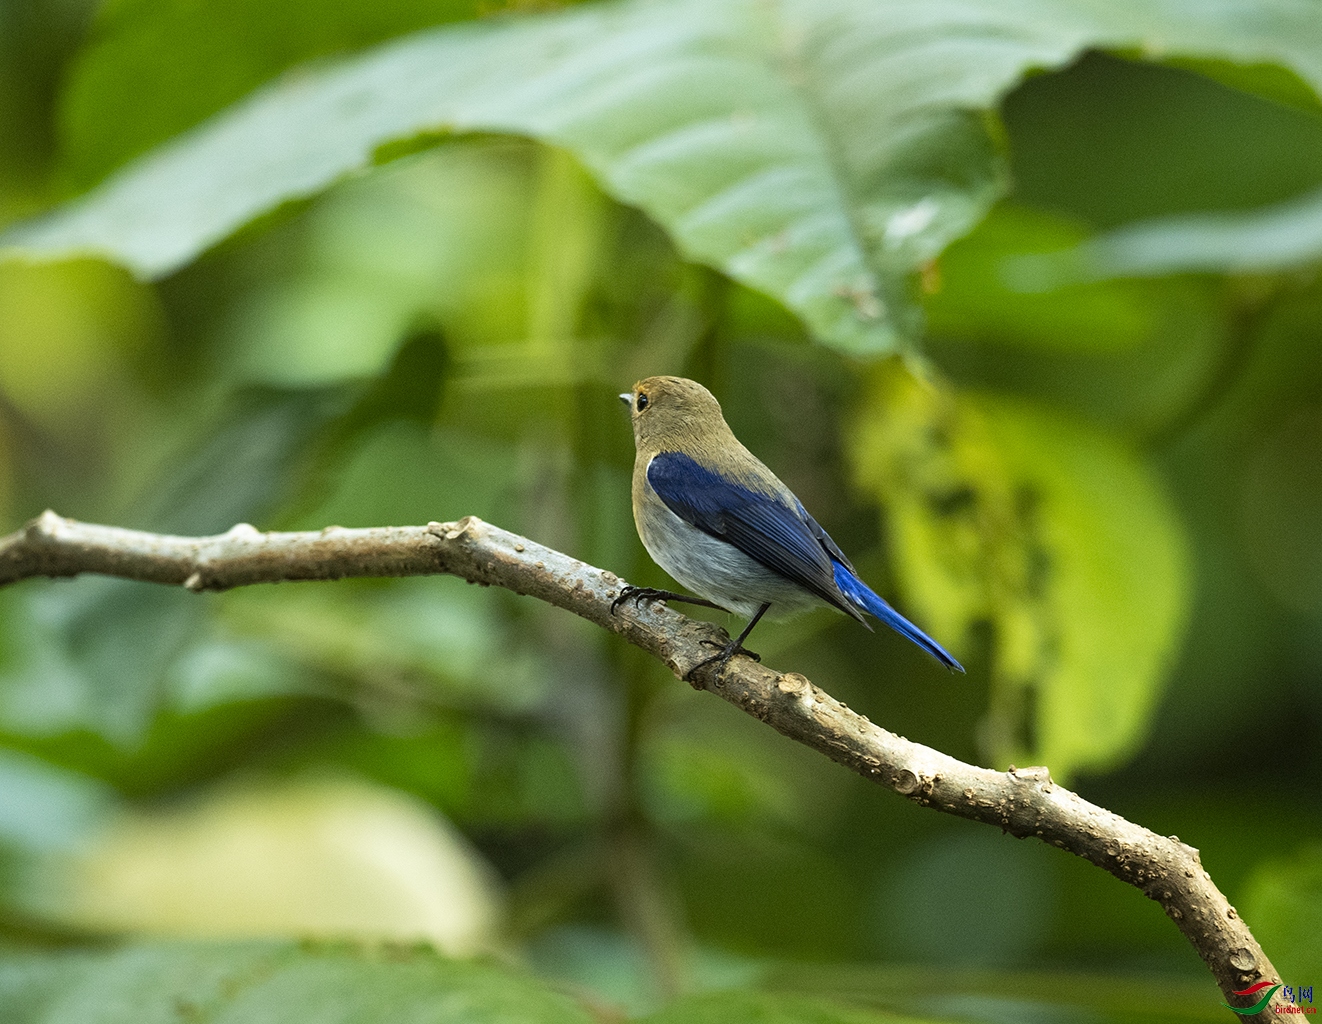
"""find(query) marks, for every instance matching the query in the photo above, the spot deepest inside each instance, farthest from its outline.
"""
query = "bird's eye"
(642, 402)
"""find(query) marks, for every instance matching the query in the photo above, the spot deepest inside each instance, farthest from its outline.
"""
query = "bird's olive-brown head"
(674, 414)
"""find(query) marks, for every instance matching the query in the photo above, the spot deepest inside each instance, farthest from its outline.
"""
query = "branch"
(1023, 802)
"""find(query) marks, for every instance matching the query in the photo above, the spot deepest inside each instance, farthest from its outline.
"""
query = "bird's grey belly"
(717, 570)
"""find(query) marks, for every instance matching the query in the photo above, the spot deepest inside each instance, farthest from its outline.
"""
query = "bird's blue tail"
(860, 594)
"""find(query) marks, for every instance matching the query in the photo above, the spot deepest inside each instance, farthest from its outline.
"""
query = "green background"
(1023, 305)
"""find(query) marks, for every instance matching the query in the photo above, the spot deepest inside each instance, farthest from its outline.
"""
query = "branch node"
(195, 583)
(46, 526)
(792, 682)
(469, 528)
(1037, 773)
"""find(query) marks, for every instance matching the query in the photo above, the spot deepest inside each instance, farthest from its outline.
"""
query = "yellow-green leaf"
(1052, 531)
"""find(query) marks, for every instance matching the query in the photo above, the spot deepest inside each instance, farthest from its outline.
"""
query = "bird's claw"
(729, 650)
(637, 594)
(726, 651)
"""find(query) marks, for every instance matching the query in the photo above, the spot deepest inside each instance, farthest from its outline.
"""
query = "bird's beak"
(627, 398)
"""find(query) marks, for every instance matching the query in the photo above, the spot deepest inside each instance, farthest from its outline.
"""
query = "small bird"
(723, 525)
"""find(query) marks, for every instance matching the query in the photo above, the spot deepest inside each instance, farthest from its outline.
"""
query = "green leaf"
(270, 983)
(45, 808)
(768, 1008)
(122, 97)
(1283, 902)
(65, 330)
(1056, 534)
(1129, 353)
(818, 152)
(440, 237)
(973, 299)
(1001, 995)
(1267, 81)
(1267, 240)
(1116, 587)
(297, 859)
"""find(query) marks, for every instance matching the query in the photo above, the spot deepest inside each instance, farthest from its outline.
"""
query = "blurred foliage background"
(1066, 414)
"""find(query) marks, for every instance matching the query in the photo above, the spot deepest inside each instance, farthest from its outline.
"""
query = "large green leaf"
(327, 858)
(271, 983)
(817, 151)
(122, 98)
(1054, 533)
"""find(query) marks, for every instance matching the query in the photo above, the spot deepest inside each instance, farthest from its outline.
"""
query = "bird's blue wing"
(784, 539)
(824, 538)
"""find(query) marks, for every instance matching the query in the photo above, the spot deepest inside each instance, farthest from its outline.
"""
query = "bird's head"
(673, 414)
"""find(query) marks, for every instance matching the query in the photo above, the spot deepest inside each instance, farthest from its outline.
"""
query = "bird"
(722, 524)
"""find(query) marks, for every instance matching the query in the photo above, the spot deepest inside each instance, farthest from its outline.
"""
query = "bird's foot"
(722, 657)
(639, 594)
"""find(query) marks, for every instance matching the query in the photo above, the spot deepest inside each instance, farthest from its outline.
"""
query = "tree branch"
(1023, 802)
